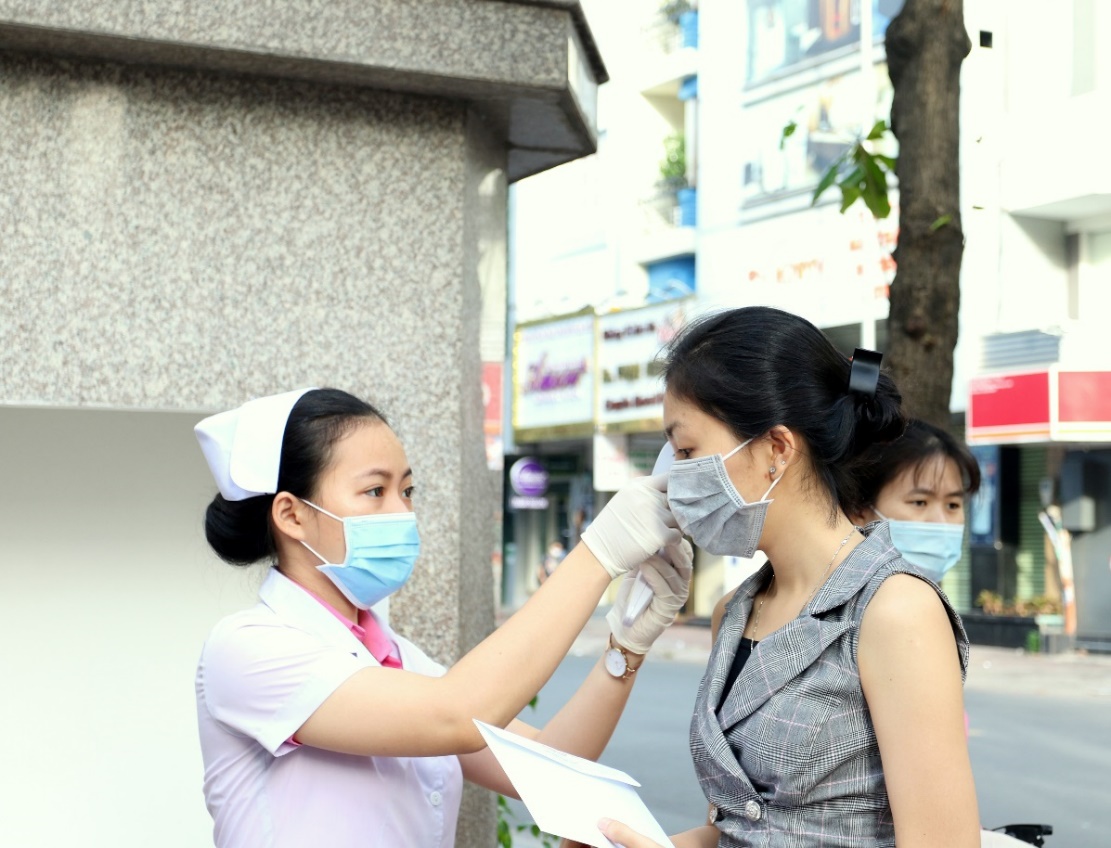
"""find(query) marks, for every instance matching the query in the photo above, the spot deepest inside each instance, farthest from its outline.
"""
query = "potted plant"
(673, 10)
(673, 167)
(1009, 624)
(673, 179)
(682, 14)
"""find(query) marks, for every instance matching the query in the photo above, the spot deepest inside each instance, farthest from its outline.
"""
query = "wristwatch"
(617, 661)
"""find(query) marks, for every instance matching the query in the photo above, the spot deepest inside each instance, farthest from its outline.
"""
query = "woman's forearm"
(584, 725)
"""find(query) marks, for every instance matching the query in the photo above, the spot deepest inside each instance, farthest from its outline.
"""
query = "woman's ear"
(289, 515)
(784, 447)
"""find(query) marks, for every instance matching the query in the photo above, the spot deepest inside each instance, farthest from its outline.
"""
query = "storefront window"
(783, 33)
(828, 116)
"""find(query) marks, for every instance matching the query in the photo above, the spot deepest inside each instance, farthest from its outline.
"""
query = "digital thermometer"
(641, 594)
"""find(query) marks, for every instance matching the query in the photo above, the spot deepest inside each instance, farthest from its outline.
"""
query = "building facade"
(1034, 283)
(1036, 291)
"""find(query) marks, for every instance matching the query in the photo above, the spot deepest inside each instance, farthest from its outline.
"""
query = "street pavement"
(1040, 733)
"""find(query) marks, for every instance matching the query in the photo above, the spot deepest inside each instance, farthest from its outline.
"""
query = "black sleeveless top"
(744, 650)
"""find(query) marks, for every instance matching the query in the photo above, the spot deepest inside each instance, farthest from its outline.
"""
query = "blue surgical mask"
(381, 552)
(934, 547)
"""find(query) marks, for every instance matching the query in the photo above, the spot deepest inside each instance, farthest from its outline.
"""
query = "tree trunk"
(926, 43)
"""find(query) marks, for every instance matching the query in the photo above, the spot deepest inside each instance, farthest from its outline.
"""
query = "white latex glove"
(634, 525)
(669, 575)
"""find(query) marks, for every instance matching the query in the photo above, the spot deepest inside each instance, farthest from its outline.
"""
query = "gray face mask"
(709, 508)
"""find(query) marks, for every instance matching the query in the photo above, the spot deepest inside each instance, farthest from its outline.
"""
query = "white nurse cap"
(243, 447)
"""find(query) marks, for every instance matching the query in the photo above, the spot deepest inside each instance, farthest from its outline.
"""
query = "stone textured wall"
(465, 40)
(175, 240)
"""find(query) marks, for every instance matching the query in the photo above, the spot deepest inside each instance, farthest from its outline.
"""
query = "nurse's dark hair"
(239, 531)
(916, 449)
(756, 367)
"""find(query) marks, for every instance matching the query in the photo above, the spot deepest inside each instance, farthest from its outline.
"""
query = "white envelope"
(567, 795)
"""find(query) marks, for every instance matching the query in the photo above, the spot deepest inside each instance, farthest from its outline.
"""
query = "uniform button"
(752, 810)
(715, 813)
(435, 799)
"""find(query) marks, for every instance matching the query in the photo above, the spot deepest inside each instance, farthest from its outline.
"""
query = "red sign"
(1085, 396)
(492, 396)
(1009, 405)
(1043, 406)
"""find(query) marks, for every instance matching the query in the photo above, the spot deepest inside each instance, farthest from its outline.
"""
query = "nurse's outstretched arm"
(584, 724)
(911, 675)
(386, 712)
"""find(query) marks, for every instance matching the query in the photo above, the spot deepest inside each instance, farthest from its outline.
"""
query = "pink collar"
(368, 631)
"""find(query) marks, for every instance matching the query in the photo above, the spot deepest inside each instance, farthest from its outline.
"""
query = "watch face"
(615, 662)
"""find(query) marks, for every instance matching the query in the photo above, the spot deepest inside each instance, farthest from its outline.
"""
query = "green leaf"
(854, 178)
(877, 203)
(788, 131)
(878, 130)
(828, 179)
(874, 173)
(887, 161)
(535, 700)
(867, 181)
(940, 222)
(850, 194)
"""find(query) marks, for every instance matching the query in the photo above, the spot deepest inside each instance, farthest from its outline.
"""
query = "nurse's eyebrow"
(671, 428)
(382, 472)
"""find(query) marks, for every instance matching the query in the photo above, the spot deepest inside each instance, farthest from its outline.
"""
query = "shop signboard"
(1052, 405)
(553, 378)
(1083, 406)
(786, 33)
(630, 389)
(528, 484)
(1009, 408)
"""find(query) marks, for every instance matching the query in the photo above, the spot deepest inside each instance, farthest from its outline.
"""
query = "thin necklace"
(813, 592)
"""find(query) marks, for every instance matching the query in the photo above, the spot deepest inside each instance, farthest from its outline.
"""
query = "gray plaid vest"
(790, 760)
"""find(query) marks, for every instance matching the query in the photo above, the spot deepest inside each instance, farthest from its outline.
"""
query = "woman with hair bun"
(830, 713)
(321, 726)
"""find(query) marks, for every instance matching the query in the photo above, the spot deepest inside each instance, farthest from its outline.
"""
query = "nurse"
(319, 725)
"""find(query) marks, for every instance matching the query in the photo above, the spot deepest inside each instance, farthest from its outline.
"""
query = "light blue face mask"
(933, 547)
(381, 552)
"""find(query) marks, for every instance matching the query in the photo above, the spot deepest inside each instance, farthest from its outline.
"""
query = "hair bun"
(879, 417)
(239, 531)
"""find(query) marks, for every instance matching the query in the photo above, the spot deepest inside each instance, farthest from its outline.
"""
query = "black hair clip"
(864, 374)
